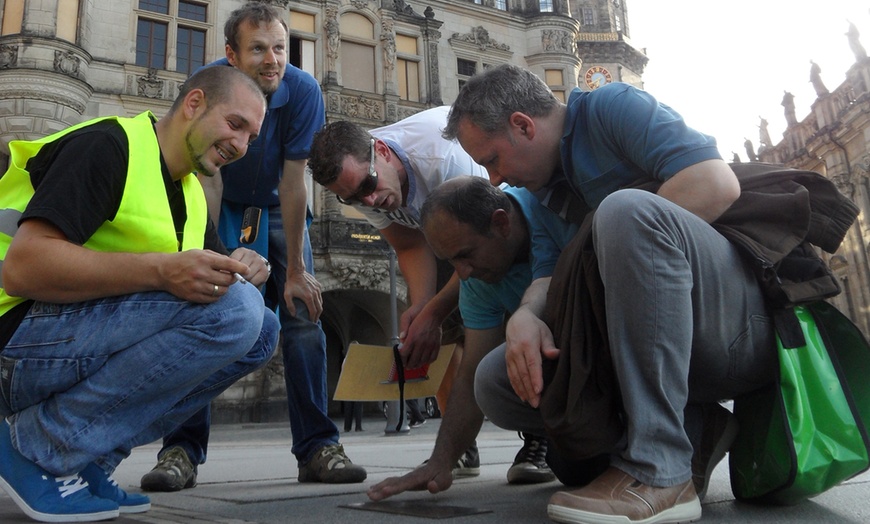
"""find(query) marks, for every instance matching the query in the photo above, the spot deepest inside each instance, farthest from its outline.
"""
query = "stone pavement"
(250, 476)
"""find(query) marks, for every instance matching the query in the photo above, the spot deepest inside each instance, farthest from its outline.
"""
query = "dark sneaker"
(101, 484)
(331, 466)
(530, 465)
(417, 423)
(468, 464)
(616, 496)
(719, 431)
(173, 472)
(44, 497)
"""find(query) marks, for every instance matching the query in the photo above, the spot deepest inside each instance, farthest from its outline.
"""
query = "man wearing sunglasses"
(386, 174)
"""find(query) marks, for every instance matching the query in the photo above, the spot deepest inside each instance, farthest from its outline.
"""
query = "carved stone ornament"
(361, 107)
(389, 44)
(333, 103)
(8, 56)
(67, 63)
(403, 7)
(479, 36)
(558, 40)
(359, 4)
(361, 274)
(149, 85)
(844, 184)
(333, 36)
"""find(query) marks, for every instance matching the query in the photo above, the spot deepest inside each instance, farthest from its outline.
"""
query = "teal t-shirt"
(484, 305)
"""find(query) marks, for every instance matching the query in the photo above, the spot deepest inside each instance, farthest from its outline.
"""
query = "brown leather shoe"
(616, 496)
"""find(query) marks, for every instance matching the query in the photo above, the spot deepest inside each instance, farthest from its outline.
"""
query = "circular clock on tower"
(597, 76)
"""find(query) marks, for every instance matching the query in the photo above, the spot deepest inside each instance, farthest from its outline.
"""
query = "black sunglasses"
(368, 185)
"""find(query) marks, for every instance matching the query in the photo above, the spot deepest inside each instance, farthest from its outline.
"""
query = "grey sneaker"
(173, 472)
(530, 465)
(331, 466)
(719, 431)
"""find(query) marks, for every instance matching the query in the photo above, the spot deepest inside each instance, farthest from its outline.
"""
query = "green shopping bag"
(806, 433)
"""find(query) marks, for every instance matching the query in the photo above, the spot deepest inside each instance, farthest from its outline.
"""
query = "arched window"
(358, 46)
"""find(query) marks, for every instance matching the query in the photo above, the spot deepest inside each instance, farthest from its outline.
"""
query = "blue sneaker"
(102, 485)
(44, 497)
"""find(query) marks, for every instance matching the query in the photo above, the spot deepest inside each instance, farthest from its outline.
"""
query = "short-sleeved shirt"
(618, 134)
(428, 159)
(484, 305)
(294, 114)
(79, 182)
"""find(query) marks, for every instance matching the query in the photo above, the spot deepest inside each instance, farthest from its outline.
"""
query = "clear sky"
(722, 65)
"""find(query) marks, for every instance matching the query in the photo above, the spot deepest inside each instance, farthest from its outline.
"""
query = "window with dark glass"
(156, 6)
(190, 54)
(192, 11)
(172, 34)
(151, 40)
(294, 52)
(466, 67)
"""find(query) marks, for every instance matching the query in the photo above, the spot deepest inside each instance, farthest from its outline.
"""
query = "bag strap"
(788, 328)
(400, 372)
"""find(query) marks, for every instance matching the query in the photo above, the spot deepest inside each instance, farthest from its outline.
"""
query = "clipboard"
(366, 375)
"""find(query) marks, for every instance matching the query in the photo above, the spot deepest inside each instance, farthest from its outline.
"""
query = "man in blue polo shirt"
(687, 323)
(271, 182)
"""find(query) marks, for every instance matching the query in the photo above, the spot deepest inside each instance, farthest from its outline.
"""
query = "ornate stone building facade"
(834, 139)
(378, 61)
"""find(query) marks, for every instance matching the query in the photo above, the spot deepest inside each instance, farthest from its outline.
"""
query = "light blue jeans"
(89, 381)
(303, 351)
(687, 325)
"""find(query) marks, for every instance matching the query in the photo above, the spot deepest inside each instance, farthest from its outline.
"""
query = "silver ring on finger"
(215, 291)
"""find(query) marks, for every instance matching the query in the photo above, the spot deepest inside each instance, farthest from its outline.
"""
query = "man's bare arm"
(459, 426)
(42, 264)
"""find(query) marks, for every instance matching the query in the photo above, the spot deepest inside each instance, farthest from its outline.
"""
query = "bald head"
(474, 226)
(469, 200)
(219, 84)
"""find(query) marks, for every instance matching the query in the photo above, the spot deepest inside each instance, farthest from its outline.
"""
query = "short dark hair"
(332, 144)
(217, 82)
(469, 199)
(489, 98)
(253, 13)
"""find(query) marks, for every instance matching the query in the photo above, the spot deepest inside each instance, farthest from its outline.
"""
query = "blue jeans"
(90, 381)
(687, 325)
(303, 349)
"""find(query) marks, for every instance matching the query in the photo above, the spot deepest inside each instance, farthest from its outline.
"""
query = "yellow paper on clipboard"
(365, 375)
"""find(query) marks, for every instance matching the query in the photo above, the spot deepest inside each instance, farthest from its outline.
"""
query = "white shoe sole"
(688, 512)
(55, 517)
